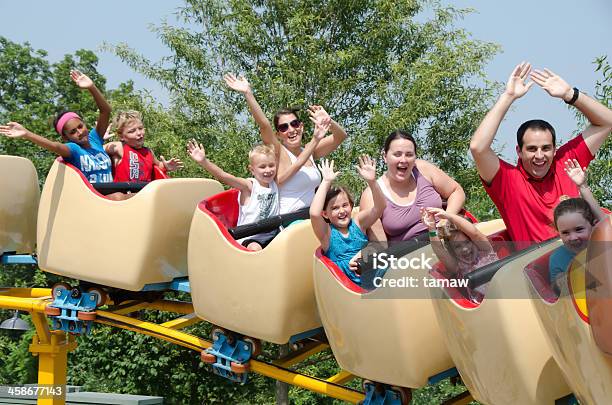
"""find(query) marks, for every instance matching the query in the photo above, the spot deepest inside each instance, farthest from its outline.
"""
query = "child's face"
(133, 133)
(465, 250)
(263, 168)
(338, 211)
(574, 231)
(75, 131)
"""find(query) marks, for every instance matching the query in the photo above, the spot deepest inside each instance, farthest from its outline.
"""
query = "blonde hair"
(263, 150)
(123, 117)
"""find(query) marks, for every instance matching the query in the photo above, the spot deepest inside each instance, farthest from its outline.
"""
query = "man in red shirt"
(527, 193)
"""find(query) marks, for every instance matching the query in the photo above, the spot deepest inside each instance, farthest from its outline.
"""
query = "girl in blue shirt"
(574, 218)
(341, 236)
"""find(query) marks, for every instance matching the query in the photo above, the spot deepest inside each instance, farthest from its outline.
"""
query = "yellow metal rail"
(198, 344)
(53, 347)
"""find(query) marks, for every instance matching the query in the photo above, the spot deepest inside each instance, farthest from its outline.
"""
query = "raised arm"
(16, 130)
(338, 134)
(198, 154)
(317, 221)
(461, 223)
(84, 82)
(375, 232)
(485, 158)
(321, 128)
(367, 217)
(444, 185)
(599, 116)
(241, 85)
(579, 177)
(449, 262)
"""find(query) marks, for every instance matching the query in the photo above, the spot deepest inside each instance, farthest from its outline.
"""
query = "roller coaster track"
(52, 347)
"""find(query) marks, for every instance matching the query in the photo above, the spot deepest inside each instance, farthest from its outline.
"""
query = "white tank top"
(299, 190)
(262, 204)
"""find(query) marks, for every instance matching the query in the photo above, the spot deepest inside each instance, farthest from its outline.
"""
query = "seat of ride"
(266, 294)
(123, 244)
(498, 346)
(538, 273)
(502, 246)
(567, 320)
(391, 341)
(19, 195)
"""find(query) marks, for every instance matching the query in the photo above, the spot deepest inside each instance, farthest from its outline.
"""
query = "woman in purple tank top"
(408, 185)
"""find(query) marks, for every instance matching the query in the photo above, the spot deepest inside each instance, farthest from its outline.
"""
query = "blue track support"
(178, 284)
(227, 353)
(451, 372)
(181, 284)
(305, 335)
(70, 307)
(386, 397)
(567, 400)
(8, 258)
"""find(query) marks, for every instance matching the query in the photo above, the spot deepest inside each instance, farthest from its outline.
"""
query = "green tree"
(374, 65)
(600, 170)
(32, 90)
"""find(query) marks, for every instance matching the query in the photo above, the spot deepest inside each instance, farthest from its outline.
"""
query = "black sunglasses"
(284, 127)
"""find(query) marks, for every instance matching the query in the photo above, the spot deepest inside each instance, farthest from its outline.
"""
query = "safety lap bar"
(269, 224)
(484, 274)
(122, 187)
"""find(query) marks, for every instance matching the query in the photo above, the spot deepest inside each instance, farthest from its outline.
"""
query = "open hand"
(327, 170)
(239, 84)
(322, 124)
(196, 151)
(367, 168)
(107, 134)
(172, 164)
(552, 84)
(516, 86)
(317, 111)
(13, 130)
(81, 80)
(575, 172)
(428, 219)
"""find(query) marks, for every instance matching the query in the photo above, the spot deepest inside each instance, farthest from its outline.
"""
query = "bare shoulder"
(427, 169)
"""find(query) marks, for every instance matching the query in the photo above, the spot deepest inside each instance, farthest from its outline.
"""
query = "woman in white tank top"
(299, 190)
(298, 176)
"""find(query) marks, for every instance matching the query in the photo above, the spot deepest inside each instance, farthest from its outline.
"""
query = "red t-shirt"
(135, 166)
(525, 203)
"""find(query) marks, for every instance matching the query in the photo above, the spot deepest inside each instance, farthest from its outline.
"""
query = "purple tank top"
(404, 222)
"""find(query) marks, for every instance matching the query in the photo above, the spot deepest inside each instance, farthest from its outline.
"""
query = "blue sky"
(565, 36)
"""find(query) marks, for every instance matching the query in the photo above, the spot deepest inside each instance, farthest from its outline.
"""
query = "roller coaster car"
(19, 197)
(266, 294)
(498, 346)
(123, 244)
(599, 296)
(568, 320)
(391, 341)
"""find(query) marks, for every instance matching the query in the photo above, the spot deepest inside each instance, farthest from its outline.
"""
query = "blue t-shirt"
(342, 249)
(559, 261)
(94, 162)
